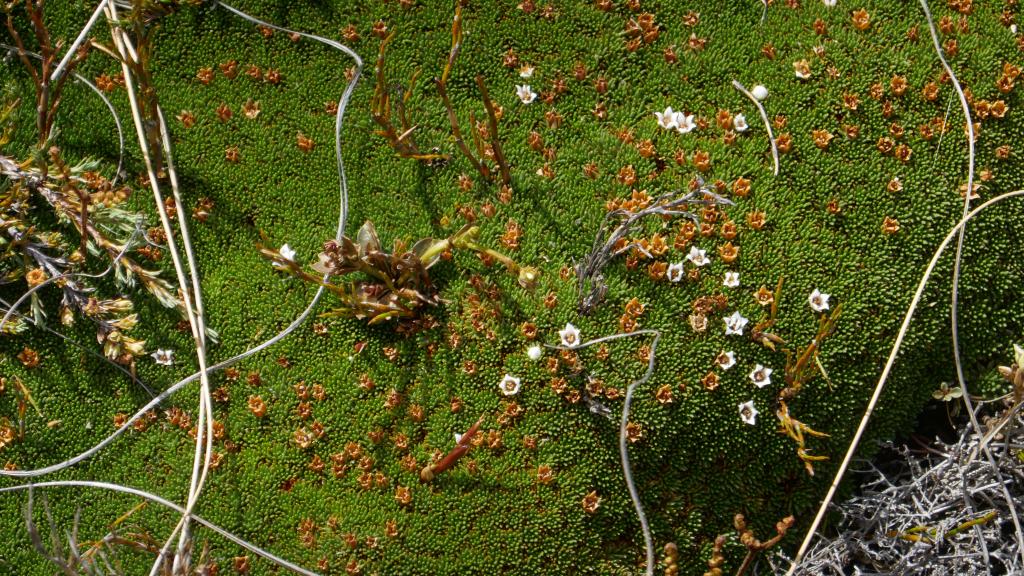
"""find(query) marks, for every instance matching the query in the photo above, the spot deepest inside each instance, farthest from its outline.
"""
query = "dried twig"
(617, 225)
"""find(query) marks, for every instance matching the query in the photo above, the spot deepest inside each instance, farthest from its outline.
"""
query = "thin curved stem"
(627, 470)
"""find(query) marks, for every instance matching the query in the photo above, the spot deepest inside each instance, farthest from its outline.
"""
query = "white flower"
(534, 352)
(163, 357)
(740, 123)
(725, 360)
(525, 71)
(748, 413)
(570, 336)
(667, 119)
(732, 279)
(734, 324)
(761, 376)
(674, 272)
(698, 256)
(526, 95)
(829, 3)
(509, 385)
(759, 92)
(1013, 29)
(684, 123)
(818, 301)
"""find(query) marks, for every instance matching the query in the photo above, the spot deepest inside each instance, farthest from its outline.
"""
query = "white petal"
(748, 413)
(759, 92)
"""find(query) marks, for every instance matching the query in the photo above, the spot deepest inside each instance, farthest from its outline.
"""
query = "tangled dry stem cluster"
(909, 516)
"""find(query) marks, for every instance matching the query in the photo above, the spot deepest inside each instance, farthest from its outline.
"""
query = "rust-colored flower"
(768, 51)
(821, 138)
(545, 475)
(646, 149)
(890, 225)
(702, 160)
(205, 75)
(833, 206)
(756, 219)
(634, 432)
(998, 109)
(1003, 152)
(634, 307)
(304, 438)
(885, 145)
(728, 230)
(35, 277)
(273, 76)
(898, 85)
(741, 187)
(231, 154)
(656, 271)
(28, 357)
(728, 252)
(403, 495)
(764, 296)
(930, 92)
(591, 502)
(303, 142)
(950, 47)
(627, 175)
(664, 394)
(784, 142)
(861, 19)
(724, 119)
(224, 113)
(710, 381)
(902, 153)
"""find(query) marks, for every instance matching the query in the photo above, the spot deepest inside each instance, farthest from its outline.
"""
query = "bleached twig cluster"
(910, 517)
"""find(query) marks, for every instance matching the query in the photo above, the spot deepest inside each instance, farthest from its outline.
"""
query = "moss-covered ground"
(696, 462)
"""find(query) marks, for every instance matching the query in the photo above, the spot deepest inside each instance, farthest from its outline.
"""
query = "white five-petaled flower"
(525, 94)
(818, 300)
(760, 92)
(163, 357)
(732, 279)
(740, 123)
(735, 324)
(698, 257)
(684, 123)
(525, 71)
(761, 376)
(829, 3)
(748, 413)
(570, 336)
(674, 272)
(725, 360)
(534, 352)
(509, 385)
(667, 119)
